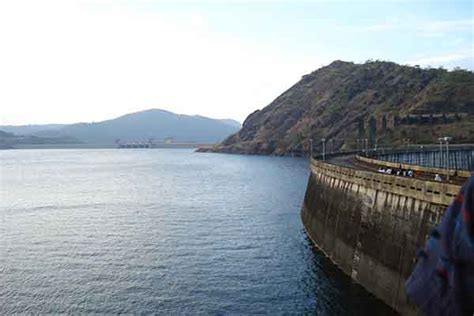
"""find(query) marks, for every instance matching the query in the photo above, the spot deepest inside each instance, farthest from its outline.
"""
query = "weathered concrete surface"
(371, 225)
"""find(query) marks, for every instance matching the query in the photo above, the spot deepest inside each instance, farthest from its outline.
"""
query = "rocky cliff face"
(382, 101)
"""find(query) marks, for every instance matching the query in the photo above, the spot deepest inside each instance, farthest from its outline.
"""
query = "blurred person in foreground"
(442, 282)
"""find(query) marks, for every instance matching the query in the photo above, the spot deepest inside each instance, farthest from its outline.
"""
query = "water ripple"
(162, 232)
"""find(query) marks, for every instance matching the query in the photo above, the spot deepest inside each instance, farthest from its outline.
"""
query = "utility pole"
(357, 140)
(311, 147)
(367, 147)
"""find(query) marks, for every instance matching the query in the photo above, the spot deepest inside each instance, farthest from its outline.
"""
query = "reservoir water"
(165, 232)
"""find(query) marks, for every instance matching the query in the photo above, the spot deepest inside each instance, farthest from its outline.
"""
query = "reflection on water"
(162, 231)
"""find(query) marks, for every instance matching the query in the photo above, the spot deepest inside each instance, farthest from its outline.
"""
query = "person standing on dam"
(442, 282)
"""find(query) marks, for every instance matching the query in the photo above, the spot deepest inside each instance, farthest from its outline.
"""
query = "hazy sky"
(67, 61)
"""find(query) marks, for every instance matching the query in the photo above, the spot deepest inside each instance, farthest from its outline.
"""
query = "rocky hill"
(384, 102)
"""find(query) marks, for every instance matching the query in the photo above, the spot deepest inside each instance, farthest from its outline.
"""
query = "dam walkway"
(358, 163)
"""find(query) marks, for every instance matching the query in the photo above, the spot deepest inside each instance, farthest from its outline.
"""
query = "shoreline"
(97, 146)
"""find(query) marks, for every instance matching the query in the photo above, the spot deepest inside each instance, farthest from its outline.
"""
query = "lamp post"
(440, 152)
(406, 141)
(324, 148)
(448, 165)
(422, 155)
(446, 161)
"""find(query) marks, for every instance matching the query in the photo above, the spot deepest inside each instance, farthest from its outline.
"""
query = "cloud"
(426, 28)
(441, 28)
(443, 59)
(386, 25)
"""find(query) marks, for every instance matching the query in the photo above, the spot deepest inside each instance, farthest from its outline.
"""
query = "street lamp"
(422, 155)
(447, 164)
(406, 141)
(324, 148)
(440, 152)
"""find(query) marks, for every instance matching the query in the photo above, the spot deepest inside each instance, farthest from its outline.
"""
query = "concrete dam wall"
(371, 224)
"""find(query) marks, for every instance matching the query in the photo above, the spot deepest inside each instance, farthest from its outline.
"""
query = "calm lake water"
(162, 231)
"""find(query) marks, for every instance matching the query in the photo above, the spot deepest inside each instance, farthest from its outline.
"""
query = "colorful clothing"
(442, 282)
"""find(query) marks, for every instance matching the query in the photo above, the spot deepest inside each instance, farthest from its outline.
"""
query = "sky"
(69, 61)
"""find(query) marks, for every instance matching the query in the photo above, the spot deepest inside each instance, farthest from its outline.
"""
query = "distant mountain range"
(10, 140)
(155, 124)
(386, 103)
(29, 129)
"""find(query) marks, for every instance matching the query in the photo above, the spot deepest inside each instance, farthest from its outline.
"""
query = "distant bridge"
(134, 145)
(155, 144)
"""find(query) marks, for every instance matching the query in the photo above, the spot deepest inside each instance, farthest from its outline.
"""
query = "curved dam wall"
(371, 224)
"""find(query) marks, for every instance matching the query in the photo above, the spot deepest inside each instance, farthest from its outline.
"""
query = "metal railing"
(452, 156)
